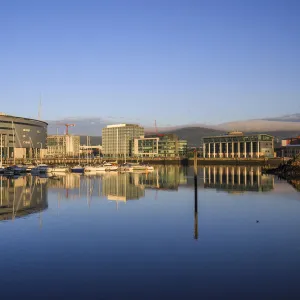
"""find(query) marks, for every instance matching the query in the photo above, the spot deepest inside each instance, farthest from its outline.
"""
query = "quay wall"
(274, 162)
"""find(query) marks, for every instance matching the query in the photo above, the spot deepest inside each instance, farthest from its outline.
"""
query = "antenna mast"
(40, 108)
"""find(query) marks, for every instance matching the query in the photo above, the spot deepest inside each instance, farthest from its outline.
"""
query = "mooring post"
(196, 195)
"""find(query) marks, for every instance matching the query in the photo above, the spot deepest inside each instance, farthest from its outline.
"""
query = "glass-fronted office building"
(163, 145)
(117, 140)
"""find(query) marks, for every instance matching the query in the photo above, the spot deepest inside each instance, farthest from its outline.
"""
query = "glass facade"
(167, 145)
(63, 145)
(117, 140)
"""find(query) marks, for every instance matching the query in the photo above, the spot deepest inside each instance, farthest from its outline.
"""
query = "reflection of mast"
(196, 197)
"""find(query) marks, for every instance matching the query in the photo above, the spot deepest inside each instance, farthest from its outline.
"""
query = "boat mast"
(12, 128)
(125, 147)
(1, 153)
(87, 162)
(41, 158)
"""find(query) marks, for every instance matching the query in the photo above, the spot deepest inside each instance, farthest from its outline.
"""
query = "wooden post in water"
(196, 195)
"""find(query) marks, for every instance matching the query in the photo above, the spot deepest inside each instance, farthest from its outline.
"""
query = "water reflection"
(237, 179)
(21, 196)
(118, 186)
(27, 194)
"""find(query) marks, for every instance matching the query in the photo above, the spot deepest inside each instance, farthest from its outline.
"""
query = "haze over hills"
(280, 127)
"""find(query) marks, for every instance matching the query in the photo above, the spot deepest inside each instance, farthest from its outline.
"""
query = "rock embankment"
(289, 170)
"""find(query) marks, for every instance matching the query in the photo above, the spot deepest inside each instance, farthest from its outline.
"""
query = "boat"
(8, 171)
(41, 168)
(108, 167)
(126, 167)
(77, 169)
(18, 169)
(139, 168)
(94, 169)
(29, 168)
(150, 168)
(59, 169)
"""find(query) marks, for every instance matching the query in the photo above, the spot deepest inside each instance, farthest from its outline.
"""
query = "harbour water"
(137, 236)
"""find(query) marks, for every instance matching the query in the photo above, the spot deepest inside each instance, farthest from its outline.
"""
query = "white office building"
(117, 140)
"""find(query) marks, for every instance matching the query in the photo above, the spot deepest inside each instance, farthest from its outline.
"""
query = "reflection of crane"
(67, 126)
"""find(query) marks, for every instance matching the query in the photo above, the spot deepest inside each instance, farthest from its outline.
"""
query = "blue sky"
(174, 61)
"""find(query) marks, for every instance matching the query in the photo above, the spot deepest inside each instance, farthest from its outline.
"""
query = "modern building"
(163, 145)
(290, 151)
(21, 137)
(63, 145)
(90, 150)
(238, 145)
(290, 141)
(117, 140)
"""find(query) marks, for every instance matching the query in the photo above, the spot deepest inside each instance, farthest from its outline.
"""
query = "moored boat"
(29, 168)
(59, 169)
(41, 168)
(94, 169)
(8, 171)
(18, 169)
(77, 169)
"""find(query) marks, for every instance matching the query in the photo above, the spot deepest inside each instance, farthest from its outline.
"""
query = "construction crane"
(67, 127)
(156, 130)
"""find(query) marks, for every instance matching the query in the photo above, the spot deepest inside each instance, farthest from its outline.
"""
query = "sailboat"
(89, 168)
(78, 168)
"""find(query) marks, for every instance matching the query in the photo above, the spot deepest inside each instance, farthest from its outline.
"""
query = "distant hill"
(193, 135)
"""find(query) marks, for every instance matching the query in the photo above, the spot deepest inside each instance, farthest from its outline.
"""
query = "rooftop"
(29, 119)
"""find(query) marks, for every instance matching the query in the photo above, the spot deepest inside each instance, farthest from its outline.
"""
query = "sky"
(176, 62)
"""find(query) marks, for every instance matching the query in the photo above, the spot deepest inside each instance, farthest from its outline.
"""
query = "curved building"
(21, 137)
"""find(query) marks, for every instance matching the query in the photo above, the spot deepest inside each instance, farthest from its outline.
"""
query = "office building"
(63, 145)
(162, 145)
(238, 145)
(21, 137)
(290, 141)
(117, 140)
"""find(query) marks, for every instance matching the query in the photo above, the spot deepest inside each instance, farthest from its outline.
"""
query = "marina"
(239, 211)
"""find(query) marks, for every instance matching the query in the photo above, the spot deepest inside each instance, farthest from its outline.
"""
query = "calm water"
(136, 236)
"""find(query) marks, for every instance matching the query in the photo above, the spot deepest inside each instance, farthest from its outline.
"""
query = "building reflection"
(122, 187)
(237, 178)
(164, 178)
(117, 186)
(21, 196)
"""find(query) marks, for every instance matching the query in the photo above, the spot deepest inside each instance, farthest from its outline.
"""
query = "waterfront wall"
(274, 162)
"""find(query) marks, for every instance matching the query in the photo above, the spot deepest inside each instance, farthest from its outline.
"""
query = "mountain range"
(279, 127)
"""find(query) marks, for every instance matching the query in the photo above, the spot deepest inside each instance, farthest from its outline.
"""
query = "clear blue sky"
(174, 61)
